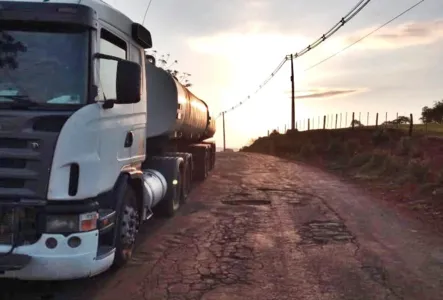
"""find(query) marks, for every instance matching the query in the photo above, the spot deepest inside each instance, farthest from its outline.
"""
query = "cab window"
(110, 44)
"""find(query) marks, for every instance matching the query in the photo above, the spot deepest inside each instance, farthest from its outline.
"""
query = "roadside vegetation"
(401, 168)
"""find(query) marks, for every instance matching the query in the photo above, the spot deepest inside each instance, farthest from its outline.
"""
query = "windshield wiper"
(21, 100)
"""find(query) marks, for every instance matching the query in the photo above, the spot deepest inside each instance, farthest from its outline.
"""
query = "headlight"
(71, 223)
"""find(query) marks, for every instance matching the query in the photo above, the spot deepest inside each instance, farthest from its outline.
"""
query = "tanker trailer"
(178, 122)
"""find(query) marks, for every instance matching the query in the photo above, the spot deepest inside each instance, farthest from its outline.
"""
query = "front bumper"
(62, 262)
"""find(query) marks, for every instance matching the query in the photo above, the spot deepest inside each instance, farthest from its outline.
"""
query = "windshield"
(43, 68)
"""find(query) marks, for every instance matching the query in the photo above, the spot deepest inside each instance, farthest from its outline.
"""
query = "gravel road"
(264, 228)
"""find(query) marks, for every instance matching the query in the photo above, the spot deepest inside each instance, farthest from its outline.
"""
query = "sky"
(230, 47)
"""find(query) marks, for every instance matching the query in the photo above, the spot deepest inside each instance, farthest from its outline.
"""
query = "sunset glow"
(231, 49)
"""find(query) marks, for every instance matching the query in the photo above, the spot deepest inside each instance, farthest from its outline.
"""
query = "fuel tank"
(173, 110)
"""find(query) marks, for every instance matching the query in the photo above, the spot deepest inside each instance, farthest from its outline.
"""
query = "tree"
(163, 62)
(401, 120)
(356, 123)
(433, 114)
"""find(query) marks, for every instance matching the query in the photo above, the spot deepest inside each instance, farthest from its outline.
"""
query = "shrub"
(418, 170)
(307, 150)
(360, 160)
(335, 147)
(274, 132)
(380, 137)
(377, 160)
(404, 146)
(352, 147)
(392, 166)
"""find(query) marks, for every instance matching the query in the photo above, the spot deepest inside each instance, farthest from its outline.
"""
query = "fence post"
(309, 124)
(346, 119)
(359, 117)
(386, 118)
(336, 120)
(353, 118)
(411, 125)
(367, 120)
(340, 120)
(376, 120)
(268, 132)
(397, 122)
(324, 122)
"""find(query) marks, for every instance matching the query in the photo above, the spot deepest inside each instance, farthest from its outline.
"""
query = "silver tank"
(173, 110)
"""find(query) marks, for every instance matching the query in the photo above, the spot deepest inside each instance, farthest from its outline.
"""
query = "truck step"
(149, 214)
(104, 251)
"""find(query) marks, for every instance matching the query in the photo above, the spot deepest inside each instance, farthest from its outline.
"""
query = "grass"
(429, 129)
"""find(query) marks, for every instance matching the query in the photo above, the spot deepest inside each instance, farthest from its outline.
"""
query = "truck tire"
(200, 163)
(128, 223)
(172, 169)
(186, 174)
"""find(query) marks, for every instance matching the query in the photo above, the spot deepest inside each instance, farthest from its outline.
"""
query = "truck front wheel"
(128, 224)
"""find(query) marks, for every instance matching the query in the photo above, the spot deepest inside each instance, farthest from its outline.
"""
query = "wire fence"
(358, 120)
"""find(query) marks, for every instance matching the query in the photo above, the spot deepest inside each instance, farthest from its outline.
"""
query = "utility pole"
(224, 134)
(293, 94)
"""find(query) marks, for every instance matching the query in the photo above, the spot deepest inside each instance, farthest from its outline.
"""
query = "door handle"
(129, 140)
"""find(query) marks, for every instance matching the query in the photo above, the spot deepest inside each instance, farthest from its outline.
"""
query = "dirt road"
(263, 228)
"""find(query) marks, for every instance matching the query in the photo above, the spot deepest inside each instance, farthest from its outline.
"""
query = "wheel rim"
(129, 229)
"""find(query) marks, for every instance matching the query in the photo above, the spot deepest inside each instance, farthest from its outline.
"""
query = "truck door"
(116, 122)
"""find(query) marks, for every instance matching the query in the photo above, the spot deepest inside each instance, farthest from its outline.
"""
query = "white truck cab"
(72, 128)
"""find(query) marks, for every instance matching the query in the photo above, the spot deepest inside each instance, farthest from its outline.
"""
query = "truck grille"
(27, 144)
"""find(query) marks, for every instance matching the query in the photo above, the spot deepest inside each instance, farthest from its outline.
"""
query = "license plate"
(6, 226)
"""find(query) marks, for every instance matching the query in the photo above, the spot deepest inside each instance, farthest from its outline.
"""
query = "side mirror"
(128, 82)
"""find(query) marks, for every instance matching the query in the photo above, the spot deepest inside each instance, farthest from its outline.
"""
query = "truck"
(94, 138)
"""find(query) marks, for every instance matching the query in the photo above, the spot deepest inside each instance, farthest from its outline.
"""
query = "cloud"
(317, 93)
(403, 35)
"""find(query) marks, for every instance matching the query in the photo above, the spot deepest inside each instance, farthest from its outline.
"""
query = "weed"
(377, 160)
(335, 147)
(307, 150)
(418, 170)
(360, 160)
(380, 137)
(352, 147)
(404, 146)
(392, 166)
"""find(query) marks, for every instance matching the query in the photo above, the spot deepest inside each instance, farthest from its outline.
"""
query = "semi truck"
(94, 138)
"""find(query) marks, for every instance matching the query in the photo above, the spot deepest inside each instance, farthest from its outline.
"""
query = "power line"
(146, 11)
(350, 15)
(266, 81)
(365, 36)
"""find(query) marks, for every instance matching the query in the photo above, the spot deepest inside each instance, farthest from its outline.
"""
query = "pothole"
(324, 232)
(247, 202)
